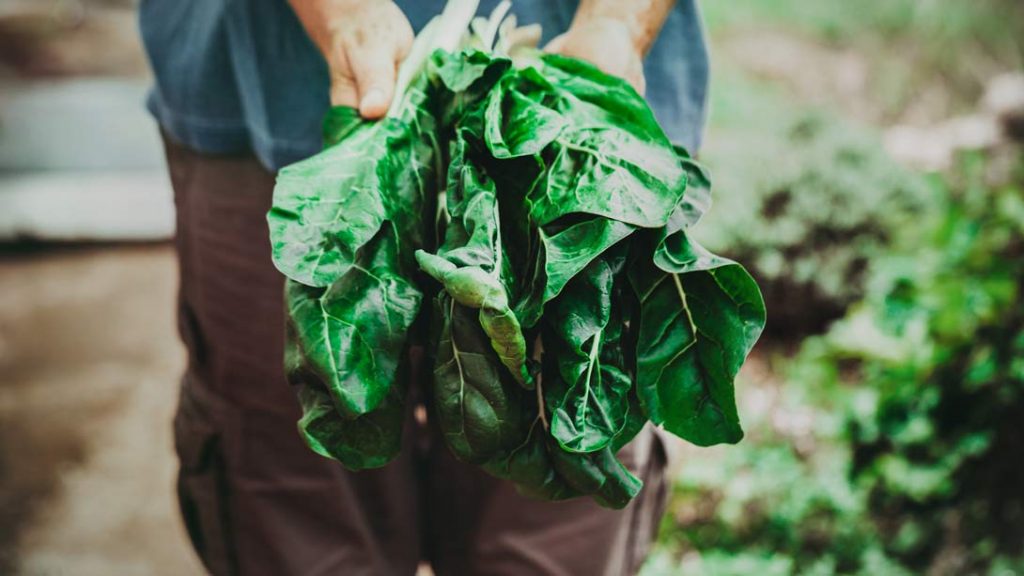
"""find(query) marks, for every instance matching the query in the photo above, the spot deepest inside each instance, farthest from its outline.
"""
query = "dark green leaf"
(517, 124)
(611, 100)
(597, 162)
(588, 384)
(469, 263)
(322, 214)
(599, 474)
(353, 333)
(339, 122)
(479, 408)
(567, 252)
(368, 441)
(700, 316)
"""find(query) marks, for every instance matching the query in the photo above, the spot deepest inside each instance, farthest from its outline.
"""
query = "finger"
(373, 71)
(639, 83)
(526, 37)
(374, 65)
(556, 45)
(403, 41)
(343, 92)
(636, 77)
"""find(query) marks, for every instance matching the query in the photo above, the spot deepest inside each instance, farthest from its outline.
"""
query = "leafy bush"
(938, 435)
(895, 447)
(808, 213)
(780, 503)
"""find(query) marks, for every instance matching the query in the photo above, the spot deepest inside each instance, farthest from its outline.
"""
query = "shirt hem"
(225, 136)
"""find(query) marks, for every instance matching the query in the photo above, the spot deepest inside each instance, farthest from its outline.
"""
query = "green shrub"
(939, 432)
(895, 446)
(806, 212)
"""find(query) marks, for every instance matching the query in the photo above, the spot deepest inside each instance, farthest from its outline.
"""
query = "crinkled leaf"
(541, 469)
(530, 468)
(322, 213)
(368, 441)
(469, 263)
(467, 78)
(635, 422)
(518, 125)
(593, 163)
(588, 384)
(696, 199)
(479, 290)
(487, 419)
(478, 406)
(599, 474)
(353, 333)
(555, 172)
(568, 251)
(611, 100)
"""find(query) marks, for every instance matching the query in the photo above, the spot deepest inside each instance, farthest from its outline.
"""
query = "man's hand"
(614, 35)
(363, 42)
(606, 43)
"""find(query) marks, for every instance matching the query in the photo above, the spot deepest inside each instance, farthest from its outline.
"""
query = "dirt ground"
(89, 362)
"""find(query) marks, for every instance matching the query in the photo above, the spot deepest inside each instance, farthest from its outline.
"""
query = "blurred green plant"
(895, 447)
(939, 427)
(806, 202)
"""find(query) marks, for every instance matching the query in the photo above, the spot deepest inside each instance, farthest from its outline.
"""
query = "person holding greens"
(241, 87)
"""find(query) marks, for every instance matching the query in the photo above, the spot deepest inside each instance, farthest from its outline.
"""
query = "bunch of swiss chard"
(526, 220)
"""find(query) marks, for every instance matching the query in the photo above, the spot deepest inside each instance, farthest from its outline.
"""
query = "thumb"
(373, 72)
(556, 45)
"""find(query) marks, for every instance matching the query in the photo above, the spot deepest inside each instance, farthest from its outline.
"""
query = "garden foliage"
(808, 219)
(910, 460)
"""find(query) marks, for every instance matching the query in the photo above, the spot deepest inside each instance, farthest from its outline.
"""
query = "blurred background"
(868, 169)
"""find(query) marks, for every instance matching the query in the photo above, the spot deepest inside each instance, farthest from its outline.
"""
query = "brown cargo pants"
(256, 501)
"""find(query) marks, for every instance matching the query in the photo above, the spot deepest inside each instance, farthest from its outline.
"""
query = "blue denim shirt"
(242, 75)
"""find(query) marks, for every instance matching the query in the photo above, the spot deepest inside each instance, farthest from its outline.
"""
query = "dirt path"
(89, 361)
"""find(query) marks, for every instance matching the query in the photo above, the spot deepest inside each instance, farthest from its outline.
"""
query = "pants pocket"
(203, 493)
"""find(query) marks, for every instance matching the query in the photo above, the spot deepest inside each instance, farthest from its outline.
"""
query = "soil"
(90, 361)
